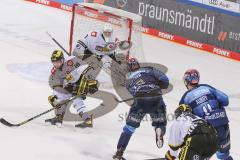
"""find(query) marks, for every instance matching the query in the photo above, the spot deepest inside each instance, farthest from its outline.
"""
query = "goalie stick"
(6, 123)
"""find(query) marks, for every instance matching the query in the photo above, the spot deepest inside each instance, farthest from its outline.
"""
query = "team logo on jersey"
(70, 63)
(102, 49)
(78, 46)
(99, 48)
(69, 77)
(110, 46)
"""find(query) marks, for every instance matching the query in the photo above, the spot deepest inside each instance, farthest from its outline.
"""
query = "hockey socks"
(125, 136)
(123, 140)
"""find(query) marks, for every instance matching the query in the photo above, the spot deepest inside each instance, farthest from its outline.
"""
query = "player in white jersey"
(69, 78)
(194, 137)
(100, 43)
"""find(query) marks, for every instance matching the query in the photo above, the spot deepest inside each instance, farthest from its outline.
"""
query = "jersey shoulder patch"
(53, 71)
(94, 34)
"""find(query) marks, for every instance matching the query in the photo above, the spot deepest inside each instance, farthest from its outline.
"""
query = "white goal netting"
(88, 17)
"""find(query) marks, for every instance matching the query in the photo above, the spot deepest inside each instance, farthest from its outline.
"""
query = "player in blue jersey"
(145, 85)
(208, 103)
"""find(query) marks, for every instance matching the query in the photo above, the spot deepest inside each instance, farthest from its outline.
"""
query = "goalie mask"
(107, 32)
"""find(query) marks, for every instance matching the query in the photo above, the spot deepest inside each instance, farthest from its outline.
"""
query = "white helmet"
(107, 28)
(107, 31)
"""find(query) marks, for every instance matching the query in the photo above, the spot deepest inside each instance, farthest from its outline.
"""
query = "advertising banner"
(222, 4)
(192, 22)
(179, 22)
(68, 2)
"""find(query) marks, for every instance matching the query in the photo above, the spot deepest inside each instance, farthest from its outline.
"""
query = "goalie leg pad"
(82, 89)
(87, 86)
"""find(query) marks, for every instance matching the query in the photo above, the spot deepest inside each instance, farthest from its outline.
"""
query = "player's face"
(107, 34)
(58, 64)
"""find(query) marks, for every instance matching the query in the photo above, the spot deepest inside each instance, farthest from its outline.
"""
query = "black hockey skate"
(119, 155)
(88, 123)
(55, 120)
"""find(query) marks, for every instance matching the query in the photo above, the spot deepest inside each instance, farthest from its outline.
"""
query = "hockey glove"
(51, 99)
(168, 156)
(124, 45)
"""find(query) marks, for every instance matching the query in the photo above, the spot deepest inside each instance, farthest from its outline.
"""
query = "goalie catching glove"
(122, 45)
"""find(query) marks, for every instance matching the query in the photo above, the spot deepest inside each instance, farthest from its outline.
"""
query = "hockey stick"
(58, 44)
(129, 99)
(157, 159)
(121, 101)
(6, 123)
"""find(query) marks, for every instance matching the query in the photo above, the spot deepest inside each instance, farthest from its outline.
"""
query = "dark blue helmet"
(132, 64)
(191, 76)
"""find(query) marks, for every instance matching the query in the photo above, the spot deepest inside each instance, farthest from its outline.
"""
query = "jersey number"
(140, 82)
(207, 109)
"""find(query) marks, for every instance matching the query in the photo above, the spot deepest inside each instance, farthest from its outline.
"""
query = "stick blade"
(157, 159)
(6, 123)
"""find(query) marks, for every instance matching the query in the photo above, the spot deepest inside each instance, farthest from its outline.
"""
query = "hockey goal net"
(88, 17)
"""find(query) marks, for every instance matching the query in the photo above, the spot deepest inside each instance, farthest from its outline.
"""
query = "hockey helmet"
(107, 31)
(132, 64)
(191, 76)
(57, 55)
(107, 28)
(182, 108)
